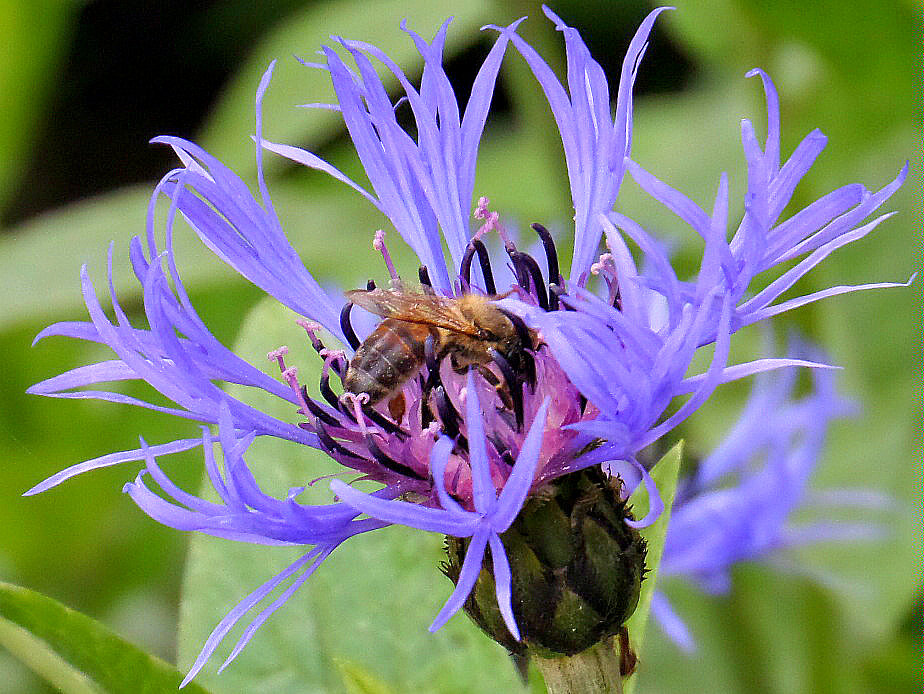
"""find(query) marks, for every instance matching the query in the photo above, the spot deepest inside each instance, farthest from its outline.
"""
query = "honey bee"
(469, 329)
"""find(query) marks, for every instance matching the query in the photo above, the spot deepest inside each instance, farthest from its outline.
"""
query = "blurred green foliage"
(849, 68)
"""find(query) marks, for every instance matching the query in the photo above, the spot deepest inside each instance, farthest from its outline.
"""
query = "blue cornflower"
(738, 504)
(455, 451)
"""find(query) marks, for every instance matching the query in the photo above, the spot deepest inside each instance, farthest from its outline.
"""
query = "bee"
(470, 329)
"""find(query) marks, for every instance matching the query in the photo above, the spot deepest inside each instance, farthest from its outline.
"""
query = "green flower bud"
(577, 568)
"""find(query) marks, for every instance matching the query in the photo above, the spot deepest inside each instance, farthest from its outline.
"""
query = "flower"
(582, 376)
(737, 505)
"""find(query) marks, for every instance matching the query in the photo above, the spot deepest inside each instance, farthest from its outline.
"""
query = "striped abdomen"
(392, 353)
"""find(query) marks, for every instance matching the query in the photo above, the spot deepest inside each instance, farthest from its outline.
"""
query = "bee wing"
(425, 309)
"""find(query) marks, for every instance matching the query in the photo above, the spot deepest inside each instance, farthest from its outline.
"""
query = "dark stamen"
(503, 450)
(528, 269)
(318, 411)
(465, 269)
(387, 461)
(333, 446)
(328, 394)
(487, 375)
(557, 291)
(513, 385)
(424, 276)
(347, 327)
(551, 254)
(384, 423)
(617, 300)
(448, 415)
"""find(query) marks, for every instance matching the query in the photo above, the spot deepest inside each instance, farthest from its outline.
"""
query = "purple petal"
(313, 161)
(439, 458)
(772, 148)
(275, 605)
(791, 276)
(111, 459)
(226, 624)
(733, 373)
(483, 490)
(503, 584)
(471, 568)
(518, 484)
(770, 311)
(655, 502)
(405, 513)
(672, 199)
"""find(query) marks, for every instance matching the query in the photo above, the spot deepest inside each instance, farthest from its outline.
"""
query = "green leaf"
(370, 603)
(357, 680)
(665, 475)
(76, 654)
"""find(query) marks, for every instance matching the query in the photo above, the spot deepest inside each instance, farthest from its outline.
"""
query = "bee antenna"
(465, 269)
(347, 327)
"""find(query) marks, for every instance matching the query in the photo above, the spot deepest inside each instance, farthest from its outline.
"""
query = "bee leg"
(514, 386)
(432, 362)
(487, 374)
(397, 407)
(520, 326)
(493, 380)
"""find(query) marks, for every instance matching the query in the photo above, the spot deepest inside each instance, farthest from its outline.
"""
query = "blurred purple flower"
(738, 504)
(467, 449)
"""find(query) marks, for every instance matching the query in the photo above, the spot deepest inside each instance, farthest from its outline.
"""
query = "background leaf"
(75, 653)
(665, 475)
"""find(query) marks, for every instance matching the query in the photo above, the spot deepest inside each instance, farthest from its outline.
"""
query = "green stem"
(594, 671)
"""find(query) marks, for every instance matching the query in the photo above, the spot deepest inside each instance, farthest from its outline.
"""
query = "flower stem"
(594, 671)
